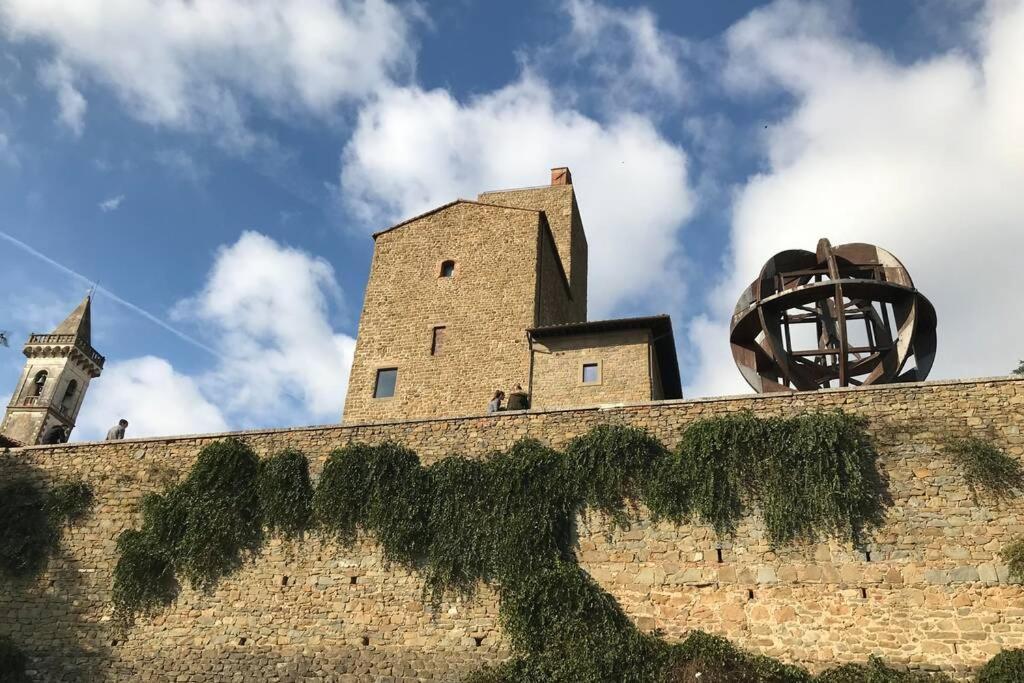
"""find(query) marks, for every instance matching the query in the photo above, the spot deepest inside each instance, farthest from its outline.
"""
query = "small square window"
(437, 342)
(447, 268)
(591, 373)
(386, 380)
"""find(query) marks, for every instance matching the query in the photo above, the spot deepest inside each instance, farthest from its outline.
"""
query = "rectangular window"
(386, 380)
(437, 342)
(591, 373)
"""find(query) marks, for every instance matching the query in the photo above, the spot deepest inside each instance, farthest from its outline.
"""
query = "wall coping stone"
(528, 413)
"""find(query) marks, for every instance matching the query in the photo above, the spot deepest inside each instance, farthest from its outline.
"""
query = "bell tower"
(50, 392)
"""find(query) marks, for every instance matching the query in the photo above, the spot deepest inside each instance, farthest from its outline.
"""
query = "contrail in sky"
(127, 304)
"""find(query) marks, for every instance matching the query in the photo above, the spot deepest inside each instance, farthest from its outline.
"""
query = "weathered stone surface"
(294, 613)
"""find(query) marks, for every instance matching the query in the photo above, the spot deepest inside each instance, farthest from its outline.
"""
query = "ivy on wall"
(508, 521)
(1013, 556)
(203, 527)
(1005, 667)
(987, 469)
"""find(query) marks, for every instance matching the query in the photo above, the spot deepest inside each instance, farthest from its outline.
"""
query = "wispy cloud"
(112, 204)
(58, 77)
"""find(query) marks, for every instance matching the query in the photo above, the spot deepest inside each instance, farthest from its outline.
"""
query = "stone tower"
(59, 367)
(452, 293)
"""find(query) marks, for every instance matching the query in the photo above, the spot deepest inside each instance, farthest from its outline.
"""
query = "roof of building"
(445, 206)
(663, 339)
(79, 323)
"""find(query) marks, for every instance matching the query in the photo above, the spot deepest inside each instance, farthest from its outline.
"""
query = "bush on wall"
(986, 468)
(810, 476)
(284, 492)
(203, 527)
(1005, 667)
(1013, 556)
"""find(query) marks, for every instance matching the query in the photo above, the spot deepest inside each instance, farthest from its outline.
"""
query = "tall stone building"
(56, 376)
(476, 296)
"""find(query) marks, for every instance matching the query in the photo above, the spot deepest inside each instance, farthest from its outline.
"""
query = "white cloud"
(267, 307)
(197, 65)
(112, 204)
(625, 51)
(57, 76)
(415, 149)
(922, 159)
(154, 398)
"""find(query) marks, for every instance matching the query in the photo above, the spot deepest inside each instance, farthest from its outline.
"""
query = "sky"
(216, 168)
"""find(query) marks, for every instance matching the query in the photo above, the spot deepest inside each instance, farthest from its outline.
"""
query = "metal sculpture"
(799, 291)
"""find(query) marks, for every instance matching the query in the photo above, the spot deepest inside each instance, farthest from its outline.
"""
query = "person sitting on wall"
(495, 404)
(518, 400)
(117, 431)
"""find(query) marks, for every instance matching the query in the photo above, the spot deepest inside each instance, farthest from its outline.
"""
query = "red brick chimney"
(561, 176)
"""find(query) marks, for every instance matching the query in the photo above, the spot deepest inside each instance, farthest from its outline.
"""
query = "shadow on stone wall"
(47, 613)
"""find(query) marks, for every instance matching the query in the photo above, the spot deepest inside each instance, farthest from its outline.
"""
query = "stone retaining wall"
(931, 592)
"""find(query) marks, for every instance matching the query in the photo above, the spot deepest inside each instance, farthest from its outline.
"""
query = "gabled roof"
(661, 332)
(79, 323)
(445, 206)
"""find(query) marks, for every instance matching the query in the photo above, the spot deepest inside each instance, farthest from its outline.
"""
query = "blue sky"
(221, 164)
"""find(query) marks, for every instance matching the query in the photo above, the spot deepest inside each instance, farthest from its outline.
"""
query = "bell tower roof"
(79, 323)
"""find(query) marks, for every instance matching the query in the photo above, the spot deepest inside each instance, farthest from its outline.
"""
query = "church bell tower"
(50, 392)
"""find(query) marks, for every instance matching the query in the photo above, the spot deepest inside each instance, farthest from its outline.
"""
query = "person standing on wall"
(117, 431)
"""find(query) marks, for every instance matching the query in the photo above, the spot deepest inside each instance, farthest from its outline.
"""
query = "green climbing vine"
(508, 520)
(986, 468)
(203, 527)
(809, 476)
(1013, 555)
(284, 493)
(31, 522)
(1005, 667)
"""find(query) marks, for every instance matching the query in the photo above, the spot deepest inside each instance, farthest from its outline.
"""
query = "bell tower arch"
(57, 373)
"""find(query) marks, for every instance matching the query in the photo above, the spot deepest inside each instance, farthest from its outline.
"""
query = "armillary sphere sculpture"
(846, 315)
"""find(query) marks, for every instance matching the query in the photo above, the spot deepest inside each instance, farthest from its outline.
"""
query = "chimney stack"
(561, 176)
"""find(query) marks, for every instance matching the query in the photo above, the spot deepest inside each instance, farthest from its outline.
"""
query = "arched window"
(38, 383)
(69, 396)
(447, 268)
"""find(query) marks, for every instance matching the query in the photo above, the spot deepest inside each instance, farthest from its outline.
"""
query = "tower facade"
(57, 373)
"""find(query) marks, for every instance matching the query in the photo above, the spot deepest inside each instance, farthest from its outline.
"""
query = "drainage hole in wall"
(366, 641)
(867, 555)
(750, 594)
(479, 640)
(241, 641)
(284, 580)
(718, 551)
(353, 580)
(113, 643)
(864, 593)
